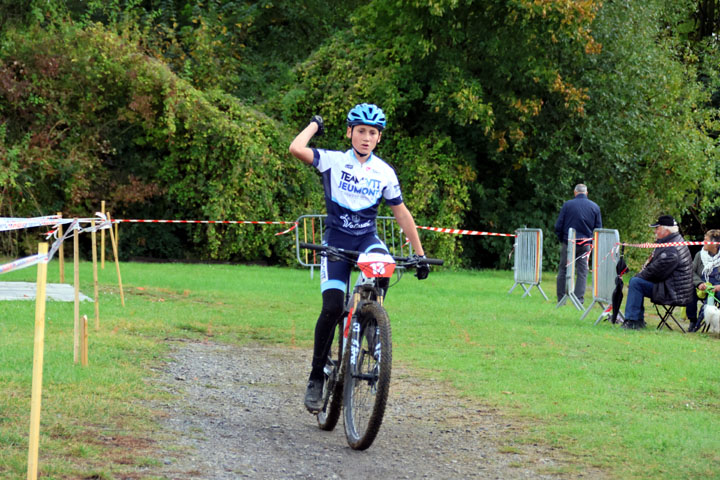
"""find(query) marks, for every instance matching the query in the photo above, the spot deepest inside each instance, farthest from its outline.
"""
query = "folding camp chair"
(667, 314)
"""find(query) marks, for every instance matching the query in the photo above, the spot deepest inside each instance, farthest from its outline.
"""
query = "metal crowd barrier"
(313, 234)
(528, 260)
(605, 258)
(311, 229)
(570, 273)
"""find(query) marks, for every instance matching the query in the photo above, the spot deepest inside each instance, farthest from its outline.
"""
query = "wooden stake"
(61, 253)
(117, 261)
(95, 274)
(39, 348)
(84, 342)
(102, 239)
(117, 237)
(76, 311)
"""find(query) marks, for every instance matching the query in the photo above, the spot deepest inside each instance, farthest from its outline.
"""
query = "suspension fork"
(352, 306)
(355, 301)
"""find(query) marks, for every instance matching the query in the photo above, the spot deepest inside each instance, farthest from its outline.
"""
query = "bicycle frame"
(373, 266)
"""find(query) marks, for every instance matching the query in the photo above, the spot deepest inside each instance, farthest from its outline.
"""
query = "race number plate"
(376, 265)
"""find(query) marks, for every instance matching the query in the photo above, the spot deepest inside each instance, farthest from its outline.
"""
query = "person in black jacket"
(584, 216)
(666, 278)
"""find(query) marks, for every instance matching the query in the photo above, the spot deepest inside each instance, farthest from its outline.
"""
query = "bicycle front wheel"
(368, 359)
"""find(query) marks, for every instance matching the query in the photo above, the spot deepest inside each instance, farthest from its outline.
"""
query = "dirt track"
(238, 413)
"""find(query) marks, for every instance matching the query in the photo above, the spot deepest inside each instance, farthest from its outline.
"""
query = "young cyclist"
(355, 182)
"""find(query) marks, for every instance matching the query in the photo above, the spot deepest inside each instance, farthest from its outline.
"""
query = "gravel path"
(237, 413)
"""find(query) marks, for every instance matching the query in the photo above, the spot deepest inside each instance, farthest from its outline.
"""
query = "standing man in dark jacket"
(584, 216)
(666, 277)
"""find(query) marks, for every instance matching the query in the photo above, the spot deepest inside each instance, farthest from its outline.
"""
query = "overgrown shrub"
(95, 118)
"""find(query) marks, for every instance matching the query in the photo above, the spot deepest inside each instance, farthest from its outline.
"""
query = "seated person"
(706, 270)
(666, 278)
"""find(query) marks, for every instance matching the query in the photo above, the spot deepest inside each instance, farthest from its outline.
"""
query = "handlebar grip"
(311, 246)
(433, 261)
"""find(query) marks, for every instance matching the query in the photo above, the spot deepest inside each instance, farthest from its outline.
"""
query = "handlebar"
(354, 254)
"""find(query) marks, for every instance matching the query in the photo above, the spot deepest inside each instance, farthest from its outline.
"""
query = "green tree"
(534, 96)
(246, 48)
(474, 76)
(95, 118)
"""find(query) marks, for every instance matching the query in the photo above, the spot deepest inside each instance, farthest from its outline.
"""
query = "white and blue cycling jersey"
(353, 190)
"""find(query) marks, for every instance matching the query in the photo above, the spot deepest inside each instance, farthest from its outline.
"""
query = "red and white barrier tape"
(101, 220)
(456, 231)
(35, 259)
(222, 222)
(671, 244)
(14, 223)
(288, 230)
(615, 251)
(134, 220)
(23, 263)
(584, 255)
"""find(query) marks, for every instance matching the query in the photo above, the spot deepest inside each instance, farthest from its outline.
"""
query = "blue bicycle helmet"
(366, 114)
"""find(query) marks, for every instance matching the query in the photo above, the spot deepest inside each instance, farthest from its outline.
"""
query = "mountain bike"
(357, 371)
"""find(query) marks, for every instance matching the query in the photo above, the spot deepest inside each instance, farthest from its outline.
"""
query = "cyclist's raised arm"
(299, 148)
(406, 221)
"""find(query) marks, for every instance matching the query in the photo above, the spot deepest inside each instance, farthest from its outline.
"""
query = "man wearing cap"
(666, 278)
(582, 215)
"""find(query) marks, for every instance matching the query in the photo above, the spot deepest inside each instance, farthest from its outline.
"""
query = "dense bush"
(95, 118)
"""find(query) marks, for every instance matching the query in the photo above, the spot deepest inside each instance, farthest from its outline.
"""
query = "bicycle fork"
(352, 333)
(348, 318)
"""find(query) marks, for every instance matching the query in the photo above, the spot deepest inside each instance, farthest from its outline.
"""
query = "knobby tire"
(367, 383)
(328, 417)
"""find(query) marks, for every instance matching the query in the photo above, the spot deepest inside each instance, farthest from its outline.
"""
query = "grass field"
(636, 404)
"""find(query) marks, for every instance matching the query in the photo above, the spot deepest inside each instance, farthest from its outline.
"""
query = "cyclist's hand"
(321, 125)
(422, 269)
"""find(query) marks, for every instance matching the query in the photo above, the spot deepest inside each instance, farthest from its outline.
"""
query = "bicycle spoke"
(367, 380)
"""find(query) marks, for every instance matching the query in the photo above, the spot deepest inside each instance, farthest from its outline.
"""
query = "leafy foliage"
(535, 97)
(97, 119)
(644, 144)
(244, 48)
(479, 77)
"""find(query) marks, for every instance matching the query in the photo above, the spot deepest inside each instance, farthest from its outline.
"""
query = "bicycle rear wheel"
(329, 415)
(368, 359)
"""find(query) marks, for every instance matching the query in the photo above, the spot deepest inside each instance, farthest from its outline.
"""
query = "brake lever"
(332, 254)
